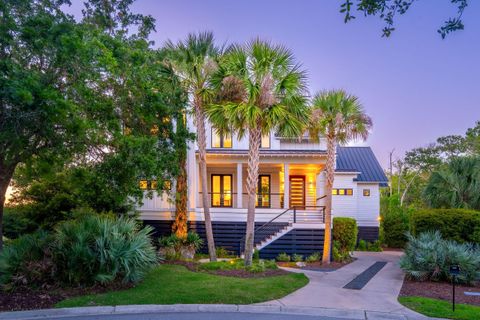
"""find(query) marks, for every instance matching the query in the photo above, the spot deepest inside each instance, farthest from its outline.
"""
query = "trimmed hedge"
(345, 233)
(460, 225)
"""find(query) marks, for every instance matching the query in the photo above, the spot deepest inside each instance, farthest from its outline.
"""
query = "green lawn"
(440, 308)
(170, 284)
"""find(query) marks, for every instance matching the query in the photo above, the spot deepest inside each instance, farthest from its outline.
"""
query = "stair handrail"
(294, 208)
(242, 239)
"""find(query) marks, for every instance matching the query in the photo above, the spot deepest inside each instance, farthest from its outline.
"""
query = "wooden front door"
(297, 191)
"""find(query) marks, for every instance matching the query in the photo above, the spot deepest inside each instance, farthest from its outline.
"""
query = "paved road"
(198, 316)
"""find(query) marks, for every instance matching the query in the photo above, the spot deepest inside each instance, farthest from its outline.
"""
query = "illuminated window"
(263, 191)
(153, 184)
(167, 185)
(143, 184)
(221, 185)
(342, 192)
(366, 192)
(265, 143)
(221, 140)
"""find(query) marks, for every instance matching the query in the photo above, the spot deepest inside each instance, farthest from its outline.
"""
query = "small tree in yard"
(339, 117)
(260, 89)
(194, 60)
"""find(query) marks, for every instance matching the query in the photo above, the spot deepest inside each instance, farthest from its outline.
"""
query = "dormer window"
(221, 140)
(265, 143)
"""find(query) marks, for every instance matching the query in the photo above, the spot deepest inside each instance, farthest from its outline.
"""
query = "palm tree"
(260, 89)
(177, 99)
(339, 117)
(455, 186)
(195, 61)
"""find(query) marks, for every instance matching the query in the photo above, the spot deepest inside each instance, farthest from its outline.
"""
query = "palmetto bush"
(429, 257)
(27, 261)
(102, 249)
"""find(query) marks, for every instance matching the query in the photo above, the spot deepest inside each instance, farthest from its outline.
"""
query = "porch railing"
(230, 200)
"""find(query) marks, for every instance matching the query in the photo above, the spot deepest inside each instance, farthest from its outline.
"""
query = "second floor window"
(265, 143)
(221, 140)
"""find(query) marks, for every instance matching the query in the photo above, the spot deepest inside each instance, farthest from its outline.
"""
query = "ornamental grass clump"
(102, 249)
(429, 257)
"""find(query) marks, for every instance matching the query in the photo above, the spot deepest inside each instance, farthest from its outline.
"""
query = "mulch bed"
(316, 266)
(440, 290)
(193, 266)
(29, 299)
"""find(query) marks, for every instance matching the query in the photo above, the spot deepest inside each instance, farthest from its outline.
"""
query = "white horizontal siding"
(368, 208)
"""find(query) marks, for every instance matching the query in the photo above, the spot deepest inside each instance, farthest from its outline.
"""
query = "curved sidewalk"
(325, 289)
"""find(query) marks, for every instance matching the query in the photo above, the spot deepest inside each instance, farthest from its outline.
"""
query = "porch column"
(199, 186)
(239, 185)
(286, 186)
(192, 177)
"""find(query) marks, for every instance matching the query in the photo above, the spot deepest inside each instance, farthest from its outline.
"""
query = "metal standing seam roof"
(363, 160)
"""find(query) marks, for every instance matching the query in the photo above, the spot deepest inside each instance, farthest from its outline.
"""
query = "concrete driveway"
(325, 289)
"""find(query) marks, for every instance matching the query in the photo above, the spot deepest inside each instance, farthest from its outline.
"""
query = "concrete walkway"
(325, 289)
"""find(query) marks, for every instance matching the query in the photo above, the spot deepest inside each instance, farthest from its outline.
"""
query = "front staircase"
(298, 217)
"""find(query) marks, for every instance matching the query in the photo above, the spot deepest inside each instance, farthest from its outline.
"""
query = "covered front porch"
(284, 182)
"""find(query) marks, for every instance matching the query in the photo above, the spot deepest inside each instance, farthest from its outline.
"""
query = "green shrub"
(375, 246)
(314, 257)
(175, 248)
(16, 222)
(102, 249)
(362, 245)
(257, 267)
(270, 264)
(223, 253)
(339, 255)
(234, 264)
(345, 233)
(297, 258)
(429, 257)
(394, 223)
(454, 224)
(27, 261)
(283, 257)
(239, 264)
(256, 255)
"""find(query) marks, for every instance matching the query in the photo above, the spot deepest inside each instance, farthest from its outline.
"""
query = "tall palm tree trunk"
(255, 135)
(202, 155)
(330, 170)
(179, 226)
(181, 205)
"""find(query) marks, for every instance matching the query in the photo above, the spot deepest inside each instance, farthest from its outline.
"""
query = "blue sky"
(414, 85)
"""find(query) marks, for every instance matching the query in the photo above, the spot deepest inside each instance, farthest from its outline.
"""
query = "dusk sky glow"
(414, 85)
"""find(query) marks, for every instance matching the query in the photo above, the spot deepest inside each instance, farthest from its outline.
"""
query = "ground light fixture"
(454, 272)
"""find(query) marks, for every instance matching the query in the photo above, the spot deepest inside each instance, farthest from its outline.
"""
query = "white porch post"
(286, 186)
(239, 184)
(197, 194)
(192, 177)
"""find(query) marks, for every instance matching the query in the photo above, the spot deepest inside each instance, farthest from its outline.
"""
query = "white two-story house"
(290, 202)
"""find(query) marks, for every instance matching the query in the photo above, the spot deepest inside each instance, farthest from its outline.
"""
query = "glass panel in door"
(263, 191)
(222, 190)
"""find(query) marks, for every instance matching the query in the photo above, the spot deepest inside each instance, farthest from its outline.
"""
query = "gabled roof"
(363, 160)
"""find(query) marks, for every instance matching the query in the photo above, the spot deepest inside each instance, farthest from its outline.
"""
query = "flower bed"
(440, 290)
